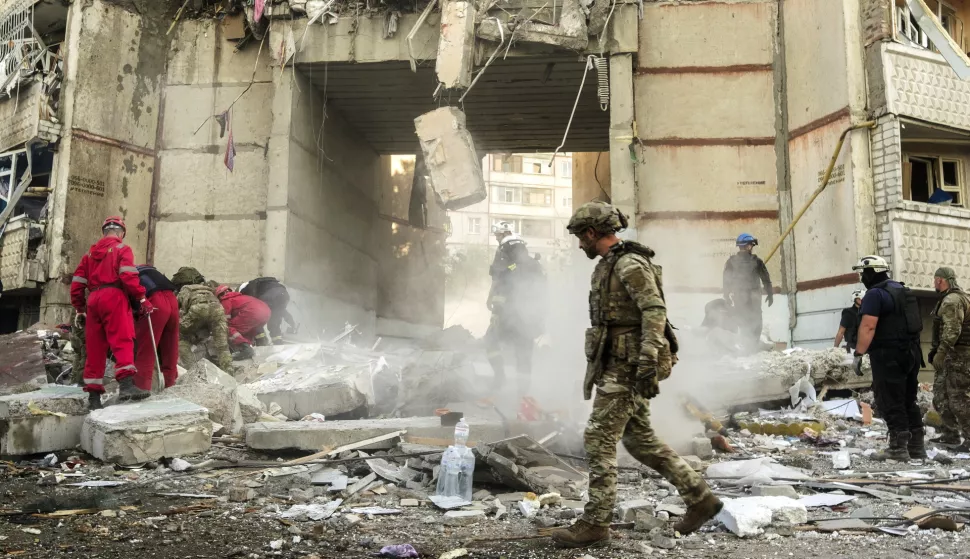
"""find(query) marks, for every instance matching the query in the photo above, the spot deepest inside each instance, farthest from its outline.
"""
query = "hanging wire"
(589, 66)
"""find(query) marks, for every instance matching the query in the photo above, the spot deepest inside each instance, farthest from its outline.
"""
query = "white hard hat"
(858, 294)
(502, 227)
(873, 262)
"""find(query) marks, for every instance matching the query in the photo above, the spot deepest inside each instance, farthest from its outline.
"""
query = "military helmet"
(601, 216)
(187, 276)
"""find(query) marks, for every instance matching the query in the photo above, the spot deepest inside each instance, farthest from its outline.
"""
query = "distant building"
(523, 189)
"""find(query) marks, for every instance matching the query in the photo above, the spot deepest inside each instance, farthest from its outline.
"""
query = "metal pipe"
(825, 182)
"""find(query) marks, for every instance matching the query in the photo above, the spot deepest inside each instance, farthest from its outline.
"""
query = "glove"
(770, 298)
(937, 360)
(647, 383)
(857, 364)
(146, 307)
(80, 319)
(931, 355)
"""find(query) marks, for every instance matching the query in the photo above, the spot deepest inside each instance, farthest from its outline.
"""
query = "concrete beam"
(359, 40)
(623, 188)
(456, 46)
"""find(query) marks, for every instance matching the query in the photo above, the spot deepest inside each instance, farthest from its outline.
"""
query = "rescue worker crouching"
(201, 318)
(270, 291)
(246, 317)
(108, 273)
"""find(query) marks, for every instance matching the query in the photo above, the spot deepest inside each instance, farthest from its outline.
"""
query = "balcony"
(22, 264)
(921, 85)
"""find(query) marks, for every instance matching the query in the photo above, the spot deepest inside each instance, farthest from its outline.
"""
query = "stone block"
(701, 447)
(748, 516)
(628, 510)
(219, 401)
(450, 156)
(645, 521)
(146, 431)
(309, 388)
(456, 45)
(774, 491)
(26, 427)
(463, 517)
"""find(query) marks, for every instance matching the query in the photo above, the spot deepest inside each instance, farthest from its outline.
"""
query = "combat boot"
(898, 447)
(245, 352)
(698, 514)
(917, 446)
(581, 534)
(947, 438)
(94, 401)
(128, 390)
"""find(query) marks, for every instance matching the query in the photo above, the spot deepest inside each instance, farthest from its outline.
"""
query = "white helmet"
(858, 294)
(502, 227)
(873, 262)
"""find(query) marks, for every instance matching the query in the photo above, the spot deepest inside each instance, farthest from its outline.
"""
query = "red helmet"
(115, 221)
(222, 290)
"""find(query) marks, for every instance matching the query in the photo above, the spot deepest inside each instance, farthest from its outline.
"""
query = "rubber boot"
(581, 534)
(129, 392)
(245, 352)
(917, 446)
(94, 401)
(898, 447)
(698, 514)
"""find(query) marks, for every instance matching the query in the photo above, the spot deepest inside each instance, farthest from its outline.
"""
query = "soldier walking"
(630, 348)
(950, 356)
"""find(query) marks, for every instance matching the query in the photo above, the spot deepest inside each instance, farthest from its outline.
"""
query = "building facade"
(536, 198)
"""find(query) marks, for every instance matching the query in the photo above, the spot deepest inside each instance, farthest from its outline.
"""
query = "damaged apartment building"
(250, 138)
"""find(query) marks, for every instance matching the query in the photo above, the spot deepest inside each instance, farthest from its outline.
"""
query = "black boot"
(94, 401)
(129, 391)
(916, 447)
(245, 352)
(898, 447)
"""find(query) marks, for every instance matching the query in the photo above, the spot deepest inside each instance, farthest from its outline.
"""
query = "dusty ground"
(144, 524)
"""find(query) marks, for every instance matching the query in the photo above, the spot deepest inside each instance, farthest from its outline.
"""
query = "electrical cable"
(589, 66)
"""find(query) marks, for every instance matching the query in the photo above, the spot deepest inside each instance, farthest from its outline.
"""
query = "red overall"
(165, 324)
(246, 315)
(108, 272)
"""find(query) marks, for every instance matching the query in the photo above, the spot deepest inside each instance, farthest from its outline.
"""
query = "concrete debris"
(317, 378)
(628, 510)
(571, 32)
(456, 45)
(748, 516)
(452, 162)
(218, 400)
(701, 447)
(522, 463)
(312, 512)
(147, 431)
(774, 491)
(763, 467)
(41, 421)
(463, 517)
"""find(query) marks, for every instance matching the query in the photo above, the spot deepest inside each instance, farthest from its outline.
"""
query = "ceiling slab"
(517, 105)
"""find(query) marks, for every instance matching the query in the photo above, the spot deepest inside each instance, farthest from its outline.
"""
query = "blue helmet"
(746, 239)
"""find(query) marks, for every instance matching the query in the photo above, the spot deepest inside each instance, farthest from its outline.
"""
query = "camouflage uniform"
(80, 354)
(629, 331)
(951, 340)
(949, 427)
(202, 315)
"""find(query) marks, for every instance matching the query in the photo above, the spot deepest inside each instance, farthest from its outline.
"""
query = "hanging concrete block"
(457, 44)
(449, 153)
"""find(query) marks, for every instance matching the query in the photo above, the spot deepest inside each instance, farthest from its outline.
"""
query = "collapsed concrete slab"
(571, 32)
(313, 436)
(146, 431)
(456, 45)
(220, 403)
(308, 387)
(44, 420)
(522, 463)
(450, 156)
(206, 372)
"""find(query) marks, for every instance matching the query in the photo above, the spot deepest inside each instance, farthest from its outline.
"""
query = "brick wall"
(876, 21)
(887, 178)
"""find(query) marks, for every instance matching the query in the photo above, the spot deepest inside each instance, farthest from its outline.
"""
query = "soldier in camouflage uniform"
(630, 349)
(80, 351)
(949, 430)
(201, 315)
(950, 355)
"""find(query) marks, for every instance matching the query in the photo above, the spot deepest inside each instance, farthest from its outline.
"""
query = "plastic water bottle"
(461, 433)
(457, 467)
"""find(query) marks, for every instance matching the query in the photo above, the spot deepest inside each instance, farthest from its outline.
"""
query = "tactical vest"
(904, 324)
(964, 339)
(191, 295)
(745, 271)
(852, 334)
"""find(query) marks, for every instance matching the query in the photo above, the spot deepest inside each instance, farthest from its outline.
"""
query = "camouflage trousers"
(941, 404)
(619, 414)
(80, 354)
(197, 323)
(957, 372)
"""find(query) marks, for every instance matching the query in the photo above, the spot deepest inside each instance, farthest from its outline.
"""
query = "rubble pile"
(829, 364)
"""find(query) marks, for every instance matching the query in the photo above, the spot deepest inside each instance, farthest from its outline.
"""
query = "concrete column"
(277, 212)
(456, 46)
(623, 188)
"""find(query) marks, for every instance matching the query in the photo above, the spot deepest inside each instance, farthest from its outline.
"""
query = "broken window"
(909, 32)
(934, 180)
(537, 196)
(507, 163)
